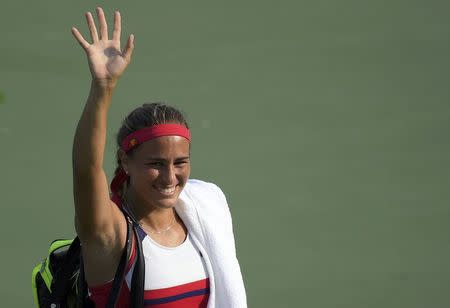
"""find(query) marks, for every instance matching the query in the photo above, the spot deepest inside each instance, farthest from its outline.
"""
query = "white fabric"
(171, 266)
(204, 210)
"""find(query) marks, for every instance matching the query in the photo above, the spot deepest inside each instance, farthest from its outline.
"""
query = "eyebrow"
(162, 159)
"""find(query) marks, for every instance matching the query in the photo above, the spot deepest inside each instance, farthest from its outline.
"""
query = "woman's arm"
(97, 218)
(93, 208)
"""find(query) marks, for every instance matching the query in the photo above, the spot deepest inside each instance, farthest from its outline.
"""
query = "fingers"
(104, 32)
(80, 38)
(129, 48)
(117, 27)
(102, 24)
(91, 26)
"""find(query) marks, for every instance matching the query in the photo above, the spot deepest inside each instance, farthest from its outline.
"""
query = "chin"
(165, 203)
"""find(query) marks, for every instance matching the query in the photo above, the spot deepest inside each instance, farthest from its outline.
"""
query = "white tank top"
(175, 276)
(171, 266)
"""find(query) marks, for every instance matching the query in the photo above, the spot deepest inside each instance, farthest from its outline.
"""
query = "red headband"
(152, 132)
(138, 137)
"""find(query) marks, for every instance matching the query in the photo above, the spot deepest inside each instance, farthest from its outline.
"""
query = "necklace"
(148, 226)
(160, 231)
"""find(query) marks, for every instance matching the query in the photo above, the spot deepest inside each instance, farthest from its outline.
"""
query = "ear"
(124, 160)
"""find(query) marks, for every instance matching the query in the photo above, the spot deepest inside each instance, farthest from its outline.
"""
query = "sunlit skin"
(158, 170)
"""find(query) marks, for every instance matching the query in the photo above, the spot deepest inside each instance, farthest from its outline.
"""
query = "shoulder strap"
(137, 281)
(82, 292)
(118, 277)
(120, 272)
(61, 281)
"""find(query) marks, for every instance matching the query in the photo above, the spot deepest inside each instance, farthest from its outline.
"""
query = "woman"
(185, 225)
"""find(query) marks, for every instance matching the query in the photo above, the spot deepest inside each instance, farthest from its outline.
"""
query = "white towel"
(203, 208)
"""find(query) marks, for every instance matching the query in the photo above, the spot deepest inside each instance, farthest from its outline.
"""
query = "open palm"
(106, 60)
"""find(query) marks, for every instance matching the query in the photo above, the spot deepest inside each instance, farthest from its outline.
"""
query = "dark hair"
(148, 114)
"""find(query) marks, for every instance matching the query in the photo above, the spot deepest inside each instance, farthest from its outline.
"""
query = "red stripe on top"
(192, 301)
(200, 301)
(176, 290)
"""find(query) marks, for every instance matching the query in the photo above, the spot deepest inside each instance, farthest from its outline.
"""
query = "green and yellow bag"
(55, 280)
(58, 281)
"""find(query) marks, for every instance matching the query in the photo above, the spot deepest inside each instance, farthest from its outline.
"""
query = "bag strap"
(81, 286)
(137, 281)
(120, 272)
(59, 290)
(118, 277)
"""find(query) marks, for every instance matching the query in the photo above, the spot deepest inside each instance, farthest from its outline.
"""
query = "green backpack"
(58, 281)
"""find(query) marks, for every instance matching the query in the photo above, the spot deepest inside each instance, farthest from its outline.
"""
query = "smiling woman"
(157, 168)
(184, 226)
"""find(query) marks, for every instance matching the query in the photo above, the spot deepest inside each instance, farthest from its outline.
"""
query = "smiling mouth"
(167, 191)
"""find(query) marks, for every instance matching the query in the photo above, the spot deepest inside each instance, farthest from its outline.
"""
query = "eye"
(154, 164)
(181, 162)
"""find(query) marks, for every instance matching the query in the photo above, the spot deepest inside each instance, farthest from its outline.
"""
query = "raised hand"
(106, 60)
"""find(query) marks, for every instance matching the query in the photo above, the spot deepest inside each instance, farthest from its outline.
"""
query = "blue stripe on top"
(164, 300)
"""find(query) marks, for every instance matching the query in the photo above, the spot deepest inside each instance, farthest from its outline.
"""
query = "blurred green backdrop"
(325, 122)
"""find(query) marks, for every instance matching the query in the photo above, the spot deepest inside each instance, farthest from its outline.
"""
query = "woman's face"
(158, 170)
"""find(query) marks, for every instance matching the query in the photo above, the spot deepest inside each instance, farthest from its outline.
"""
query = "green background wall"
(325, 122)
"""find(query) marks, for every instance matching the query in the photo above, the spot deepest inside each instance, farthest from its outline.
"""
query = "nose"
(168, 176)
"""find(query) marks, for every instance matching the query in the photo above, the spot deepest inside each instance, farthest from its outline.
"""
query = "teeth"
(166, 191)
